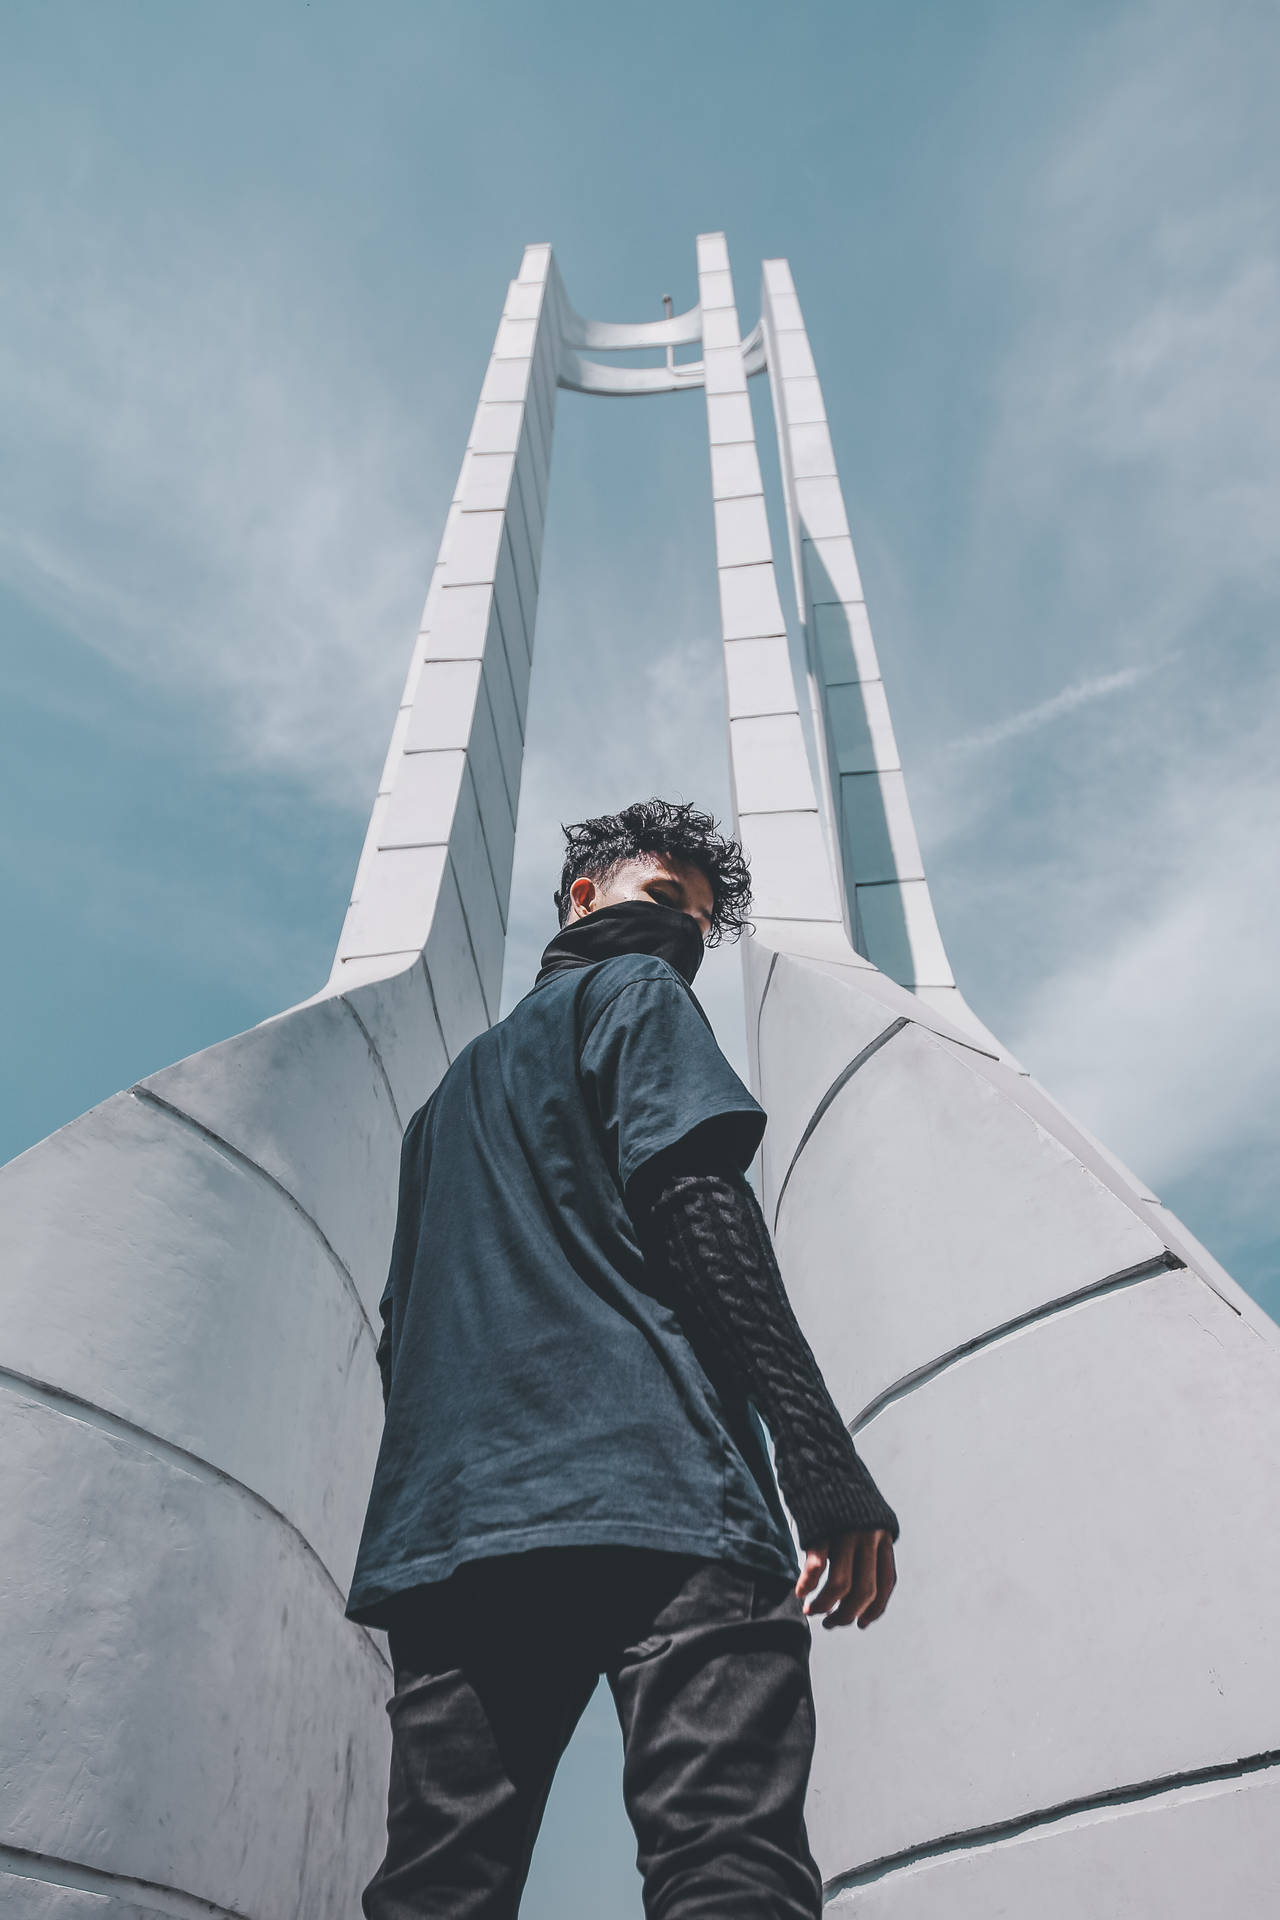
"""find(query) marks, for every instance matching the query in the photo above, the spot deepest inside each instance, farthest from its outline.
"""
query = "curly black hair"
(597, 848)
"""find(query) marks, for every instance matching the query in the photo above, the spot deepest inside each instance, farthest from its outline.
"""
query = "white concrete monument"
(1072, 1707)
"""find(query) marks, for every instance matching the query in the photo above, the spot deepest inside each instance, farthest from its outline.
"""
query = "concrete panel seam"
(73, 1406)
(1102, 1803)
(540, 403)
(764, 995)
(359, 959)
(526, 638)
(470, 778)
(536, 436)
(955, 1039)
(536, 429)
(506, 662)
(1165, 1262)
(841, 1080)
(435, 1011)
(778, 713)
(513, 804)
(1203, 1278)
(466, 928)
(375, 1056)
(781, 813)
(219, 1145)
(51, 1871)
(526, 527)
(538, 475)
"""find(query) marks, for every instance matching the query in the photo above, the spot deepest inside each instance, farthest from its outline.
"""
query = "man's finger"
(839, 1576)
(886, 1580)
(861, 1590)
(814, 1561)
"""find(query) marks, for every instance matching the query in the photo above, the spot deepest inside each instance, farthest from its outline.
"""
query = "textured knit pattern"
(707, 1232)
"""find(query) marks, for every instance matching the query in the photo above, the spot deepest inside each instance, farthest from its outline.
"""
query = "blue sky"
(255, 261)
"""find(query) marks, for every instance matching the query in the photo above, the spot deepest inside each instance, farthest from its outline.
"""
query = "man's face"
(654, 877)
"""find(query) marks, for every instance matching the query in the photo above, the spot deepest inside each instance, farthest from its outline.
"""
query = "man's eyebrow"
(682, 893)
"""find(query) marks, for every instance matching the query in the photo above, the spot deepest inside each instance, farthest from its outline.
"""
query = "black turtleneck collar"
(628, 926)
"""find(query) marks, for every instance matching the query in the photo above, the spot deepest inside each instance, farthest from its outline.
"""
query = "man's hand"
(860, 1577)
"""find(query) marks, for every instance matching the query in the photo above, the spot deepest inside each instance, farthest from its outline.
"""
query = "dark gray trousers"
(708, 1664)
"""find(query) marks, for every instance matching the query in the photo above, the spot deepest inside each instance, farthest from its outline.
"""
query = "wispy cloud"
(1160, 1028)
(201, 487)
(1031, 719)
(1133, 484)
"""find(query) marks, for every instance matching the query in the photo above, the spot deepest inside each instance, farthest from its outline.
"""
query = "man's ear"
(583, 895)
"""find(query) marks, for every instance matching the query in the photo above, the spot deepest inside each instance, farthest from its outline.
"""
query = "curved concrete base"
(1077, 1417)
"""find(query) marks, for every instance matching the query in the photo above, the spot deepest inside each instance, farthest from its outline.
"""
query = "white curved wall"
(1080, 1435)
(1072, 1705)
(189, 1399)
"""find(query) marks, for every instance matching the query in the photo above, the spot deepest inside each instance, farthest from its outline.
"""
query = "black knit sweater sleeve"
(705, 1232)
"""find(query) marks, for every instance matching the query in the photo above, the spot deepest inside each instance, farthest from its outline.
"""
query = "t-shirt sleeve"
(414, 1157)
(653, 1075)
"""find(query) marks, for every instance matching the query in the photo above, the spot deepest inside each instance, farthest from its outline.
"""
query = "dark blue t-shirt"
(542, 1394)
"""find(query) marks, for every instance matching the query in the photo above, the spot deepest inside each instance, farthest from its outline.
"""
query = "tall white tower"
(1073, 1706)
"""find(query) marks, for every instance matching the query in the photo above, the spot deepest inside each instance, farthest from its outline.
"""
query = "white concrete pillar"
(775, 803)
(436, 866)
(890, 913)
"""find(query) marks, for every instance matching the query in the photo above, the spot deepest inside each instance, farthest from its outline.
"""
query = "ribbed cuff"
(852, 1504)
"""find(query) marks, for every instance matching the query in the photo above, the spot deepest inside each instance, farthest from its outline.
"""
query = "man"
(584, 1324)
